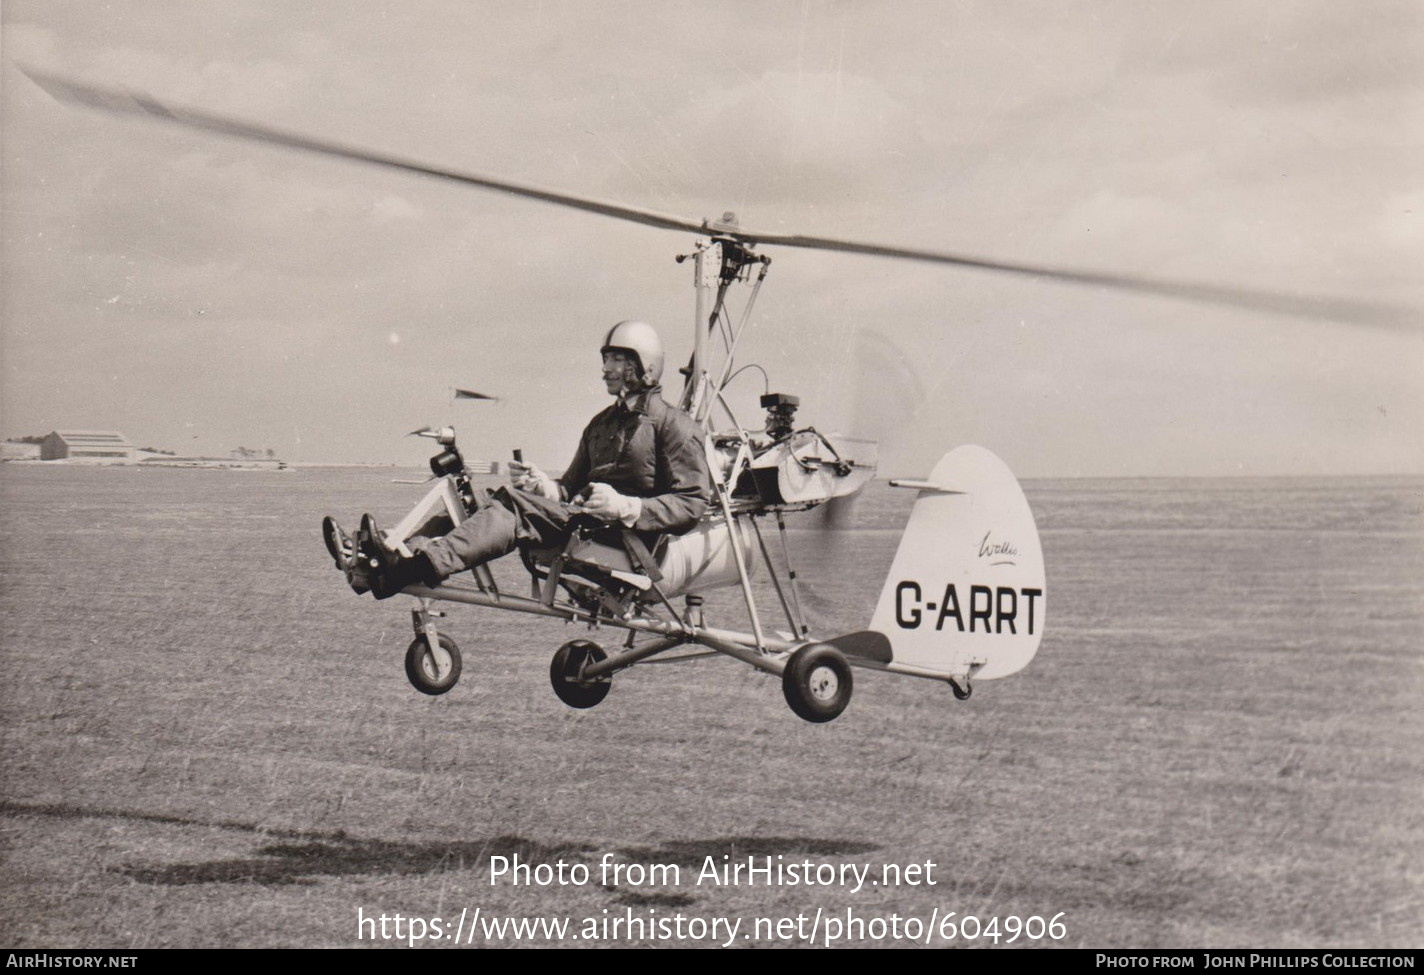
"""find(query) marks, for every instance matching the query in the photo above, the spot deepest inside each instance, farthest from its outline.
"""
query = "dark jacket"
(647, 449)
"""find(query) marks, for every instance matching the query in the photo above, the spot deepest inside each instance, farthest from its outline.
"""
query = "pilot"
(640, 465)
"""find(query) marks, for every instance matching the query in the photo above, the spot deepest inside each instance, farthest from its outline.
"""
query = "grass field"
(209, 741)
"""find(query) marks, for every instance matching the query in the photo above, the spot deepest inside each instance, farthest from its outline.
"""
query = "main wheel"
(432, 671)
(817, 682)
(564, 671)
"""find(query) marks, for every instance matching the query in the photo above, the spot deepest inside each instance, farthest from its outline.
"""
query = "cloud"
(1401, 219)
(1303, 51)
(389, 209)
(30, 44)
(254, 284)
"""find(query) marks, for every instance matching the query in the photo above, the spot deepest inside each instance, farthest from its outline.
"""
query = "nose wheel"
(432, 670)
(817, 682)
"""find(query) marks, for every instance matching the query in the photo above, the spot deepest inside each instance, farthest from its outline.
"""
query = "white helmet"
(641, 339)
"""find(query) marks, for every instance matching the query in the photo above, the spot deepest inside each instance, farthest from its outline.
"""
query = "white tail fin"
(966, 593)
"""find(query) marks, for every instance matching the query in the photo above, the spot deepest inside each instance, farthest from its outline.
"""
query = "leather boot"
(343, 552)
(393, 572)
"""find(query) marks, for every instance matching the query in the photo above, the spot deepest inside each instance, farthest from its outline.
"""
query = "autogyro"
(965, 598)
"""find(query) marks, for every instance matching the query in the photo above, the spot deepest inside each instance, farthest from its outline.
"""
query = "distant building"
(11, 450)
(87, 445)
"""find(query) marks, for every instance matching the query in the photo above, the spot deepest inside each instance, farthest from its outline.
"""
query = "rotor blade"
(137, 104)
(1304, 306)
(471, 394)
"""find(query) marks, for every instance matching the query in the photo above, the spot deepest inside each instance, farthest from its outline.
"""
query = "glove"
(527, 477)
(606, 504)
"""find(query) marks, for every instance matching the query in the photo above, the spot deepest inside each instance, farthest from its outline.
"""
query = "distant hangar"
(87, 445)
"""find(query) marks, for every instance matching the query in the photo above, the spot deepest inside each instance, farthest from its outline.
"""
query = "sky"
(200, 294)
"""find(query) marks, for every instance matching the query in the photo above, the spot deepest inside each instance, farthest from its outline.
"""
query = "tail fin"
(966, 593)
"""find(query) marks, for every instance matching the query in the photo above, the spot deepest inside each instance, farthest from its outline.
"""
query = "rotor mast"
(706, 263)
(718, 262)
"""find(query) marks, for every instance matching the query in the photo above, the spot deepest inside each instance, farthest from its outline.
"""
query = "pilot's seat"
(700, 559)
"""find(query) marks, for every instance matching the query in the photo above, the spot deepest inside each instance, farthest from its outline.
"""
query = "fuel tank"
(703, 558)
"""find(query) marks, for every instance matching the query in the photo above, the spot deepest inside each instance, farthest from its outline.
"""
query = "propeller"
(882, 397)
(1304, 306)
